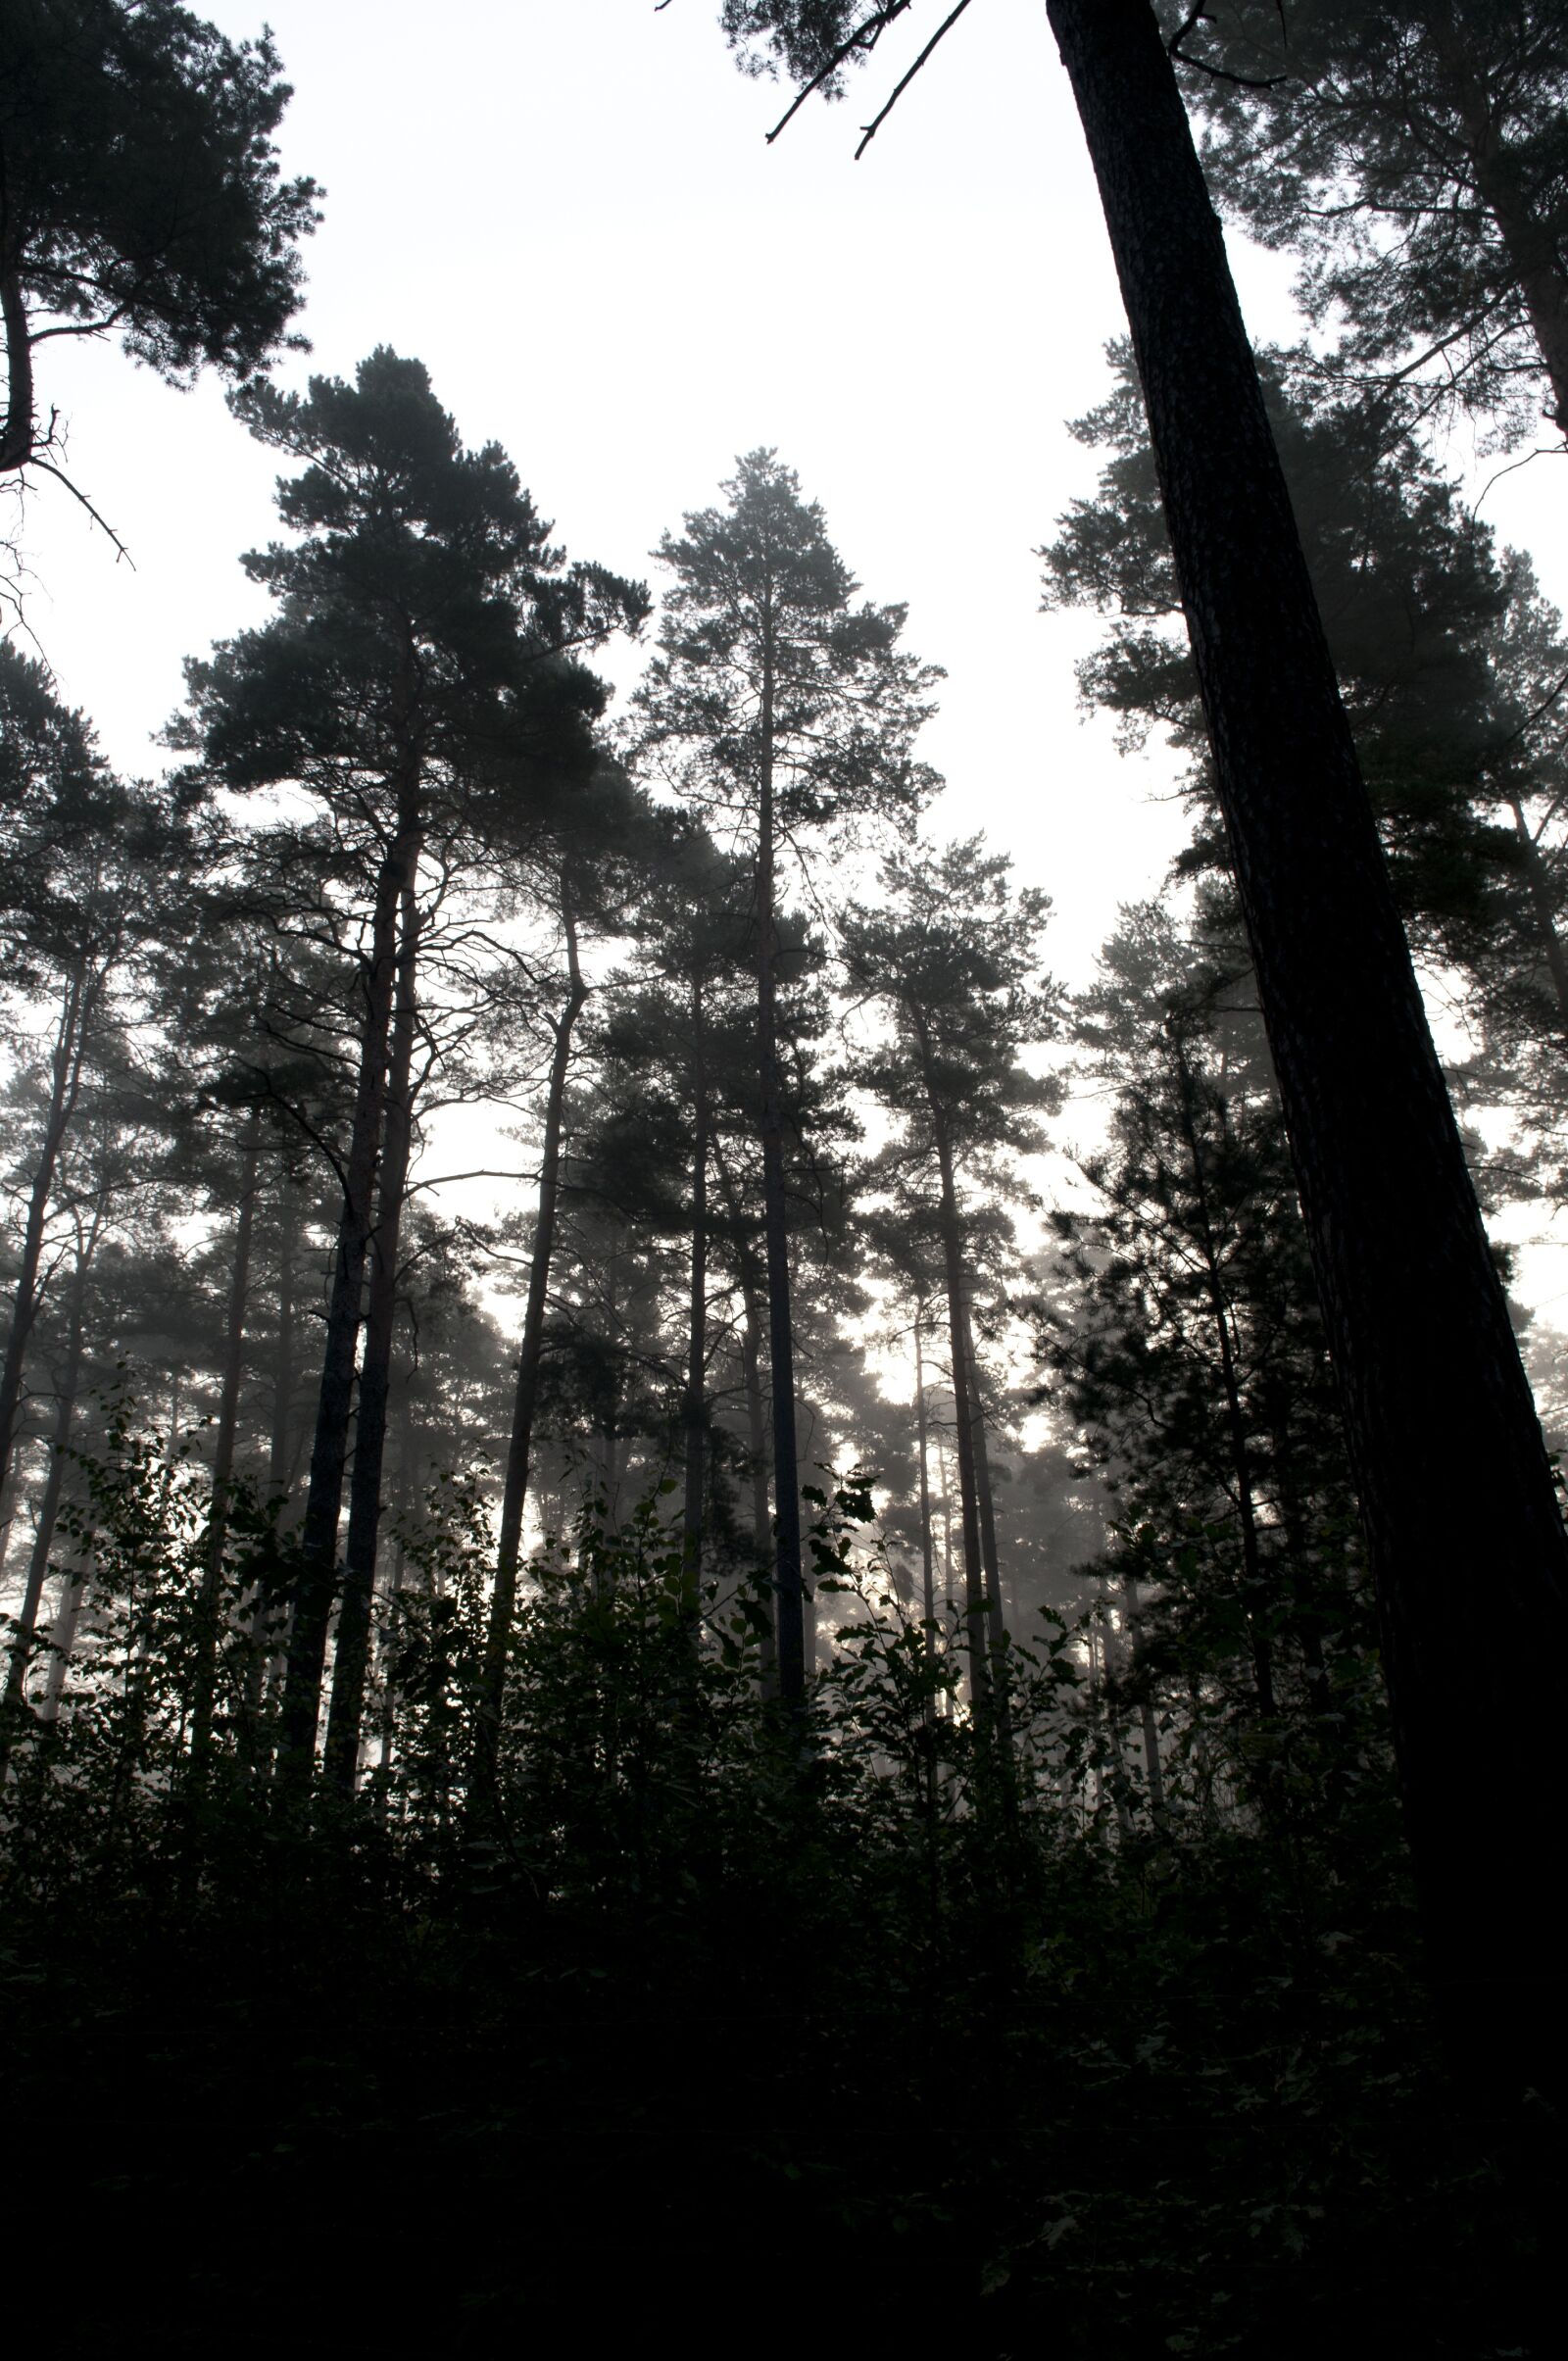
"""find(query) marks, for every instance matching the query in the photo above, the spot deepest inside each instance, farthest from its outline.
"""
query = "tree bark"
(1456, 1489)
(508, 1552)
(324, 1502)
(352, 1653)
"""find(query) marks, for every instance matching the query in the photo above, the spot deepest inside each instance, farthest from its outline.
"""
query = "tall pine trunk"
(1543, 908)
(49, 1508)
(756, 1412)
(928, 1582)
(789, 1604)
(974, 1581)
(65, 1088)
(324, 1502)
(1502, 179)
(352, 1653)
(1254, 1600)
(1456, 1493)
(204, 1684)
(696, 1403)
(508, 1552)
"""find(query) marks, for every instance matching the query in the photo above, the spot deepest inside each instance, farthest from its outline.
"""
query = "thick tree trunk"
(65, 1088)
(1456, 1489)
(204, 1683)
(508, 1552)
(323, 1504)
(789, 1603)
(352, 1653)
(696, 1405)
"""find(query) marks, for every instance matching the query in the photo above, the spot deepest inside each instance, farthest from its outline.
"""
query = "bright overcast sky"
(566, 209)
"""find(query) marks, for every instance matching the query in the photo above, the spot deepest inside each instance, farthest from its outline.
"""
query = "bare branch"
(870, 130)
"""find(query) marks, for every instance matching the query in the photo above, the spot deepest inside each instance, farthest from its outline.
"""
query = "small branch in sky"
(61, 477)
(864, 37)
(870, 130)
(1197, 16)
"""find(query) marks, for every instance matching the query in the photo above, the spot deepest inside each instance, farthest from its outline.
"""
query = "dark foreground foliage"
(695, 2031)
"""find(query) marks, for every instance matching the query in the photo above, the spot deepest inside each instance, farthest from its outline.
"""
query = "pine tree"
(143, 197)
(778, 704)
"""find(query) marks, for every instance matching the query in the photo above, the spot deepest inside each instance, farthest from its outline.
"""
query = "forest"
(726, 1612)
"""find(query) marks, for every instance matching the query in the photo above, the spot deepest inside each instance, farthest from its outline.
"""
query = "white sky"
(566, 209)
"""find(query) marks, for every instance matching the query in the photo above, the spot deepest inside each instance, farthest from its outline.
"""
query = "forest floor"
(1145, 2104)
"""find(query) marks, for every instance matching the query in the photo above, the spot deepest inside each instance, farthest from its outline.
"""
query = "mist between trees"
(797, 1682)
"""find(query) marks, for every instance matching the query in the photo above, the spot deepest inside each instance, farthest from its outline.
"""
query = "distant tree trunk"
(990, 1554)
(509, 1553)
(975, 1592)
(1418, 1327)
(352, 1655)
(284, 1372)
(73, 1594)
(1502, 179)
(927, 1555)
(1153, 1768)
(1254, 1602)
(312, 1603)
(697, 1331)
(1543, 908)
(49, 1508)
(77, 1002)
(789, 1602)
(203, 1681)
(756, 1411)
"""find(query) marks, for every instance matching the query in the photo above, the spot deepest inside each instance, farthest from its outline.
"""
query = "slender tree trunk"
(1450, 1468)
(324, 1502)
(756, 1412)
(696, 1332)
(49, 1506)
(73, 1594)
(65, 1088)
(204, 1685)
(1501, 180)
(990, 1554)
(789, 1606)
(974, 1588)
(509, 1553)
(927, 1554)
(284, 1372)
(1252, 1577)
(1148, 1723)
(1544, 906)
(352, 1655)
